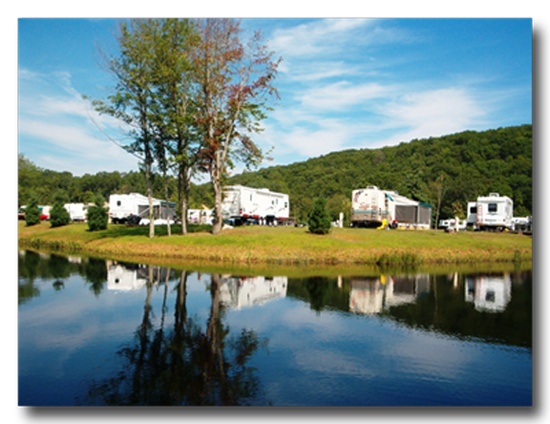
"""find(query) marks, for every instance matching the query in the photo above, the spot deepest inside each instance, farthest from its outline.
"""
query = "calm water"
(96, 332)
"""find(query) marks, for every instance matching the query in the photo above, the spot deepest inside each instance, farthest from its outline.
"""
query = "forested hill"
(471, 164)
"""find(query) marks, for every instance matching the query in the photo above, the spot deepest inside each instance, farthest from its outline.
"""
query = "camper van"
(493, 212)
(243, 205)
(124, 206)
(372, 206)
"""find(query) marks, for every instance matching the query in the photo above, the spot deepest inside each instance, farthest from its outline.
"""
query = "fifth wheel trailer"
(371, 206)
(244, 204)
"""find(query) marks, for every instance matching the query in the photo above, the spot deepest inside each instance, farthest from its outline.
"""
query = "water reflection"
(238, 292)
(489, 293)
(176, 337)
(375, 294)
(187, 364)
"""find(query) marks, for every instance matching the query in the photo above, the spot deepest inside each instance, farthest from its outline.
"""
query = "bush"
(319, 219)
(59, 216)
(98, 216)
(32, 213)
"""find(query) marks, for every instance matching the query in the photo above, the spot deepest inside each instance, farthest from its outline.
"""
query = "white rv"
(199, 216)
(244, 204)
(77, 211)
(123, 206)
(491, 212)
(371, 206)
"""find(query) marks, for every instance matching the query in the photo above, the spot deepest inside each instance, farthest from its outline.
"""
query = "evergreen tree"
(319, 218)
(98, 216)
(32, 213)
(59, 216)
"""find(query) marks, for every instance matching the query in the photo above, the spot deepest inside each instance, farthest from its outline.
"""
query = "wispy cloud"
(54, 118)
(316, 37)
(432, 113)
(340, 95)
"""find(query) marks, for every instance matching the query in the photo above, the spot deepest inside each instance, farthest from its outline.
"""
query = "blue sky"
(344, 83)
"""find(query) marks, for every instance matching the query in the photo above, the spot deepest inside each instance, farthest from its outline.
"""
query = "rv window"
(118, 203)
(493, 207)
(473, 209)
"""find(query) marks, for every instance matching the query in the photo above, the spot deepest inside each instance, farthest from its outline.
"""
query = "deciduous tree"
(235, 87)
(132, 99)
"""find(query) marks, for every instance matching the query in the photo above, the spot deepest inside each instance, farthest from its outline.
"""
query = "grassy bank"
(265, 246)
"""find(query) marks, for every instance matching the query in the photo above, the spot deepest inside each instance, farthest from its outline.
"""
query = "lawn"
(282, 245)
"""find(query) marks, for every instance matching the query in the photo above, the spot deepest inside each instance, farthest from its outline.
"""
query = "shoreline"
(287, 247)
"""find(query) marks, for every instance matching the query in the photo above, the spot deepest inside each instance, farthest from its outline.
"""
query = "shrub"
(319, 218)
(32, 213)
(98, 216)
(59, 216)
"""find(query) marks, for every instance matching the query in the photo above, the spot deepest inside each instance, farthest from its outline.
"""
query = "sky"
(347, 83)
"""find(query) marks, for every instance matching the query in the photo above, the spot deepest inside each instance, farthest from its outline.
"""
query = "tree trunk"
(184, 187)
(169, 228)
(217, 224)
(182, 200)
(150, 196)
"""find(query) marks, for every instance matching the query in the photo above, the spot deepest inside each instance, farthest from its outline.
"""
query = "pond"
(100, 332)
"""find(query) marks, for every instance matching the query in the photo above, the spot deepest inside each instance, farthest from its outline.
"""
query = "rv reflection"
(124, 277)
(371, 295)
(489, 293)
(238, 292)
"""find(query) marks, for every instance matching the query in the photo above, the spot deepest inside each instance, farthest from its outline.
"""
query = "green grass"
(283, 246)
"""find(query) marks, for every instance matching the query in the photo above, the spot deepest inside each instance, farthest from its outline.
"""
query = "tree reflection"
(188, 364)
(28, 264)
(95, 273)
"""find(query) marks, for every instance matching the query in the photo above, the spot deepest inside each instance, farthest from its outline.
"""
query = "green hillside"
(472, 164)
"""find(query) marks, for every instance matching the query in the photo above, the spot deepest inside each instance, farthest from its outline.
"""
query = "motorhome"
(243, 205)
(493, 212)
(124, 206)
(372, 206)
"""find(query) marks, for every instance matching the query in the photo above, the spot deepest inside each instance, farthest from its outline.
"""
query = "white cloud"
(314, 71)
(315, 37)
(340, 95)
(311, 143)
(63, 136)
(59, 130)
(431, 114)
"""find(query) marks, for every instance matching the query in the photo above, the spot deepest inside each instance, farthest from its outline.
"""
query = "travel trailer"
(77, 211)
(244, 205)
(372, 207)
(493, 212)
(124, 206)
